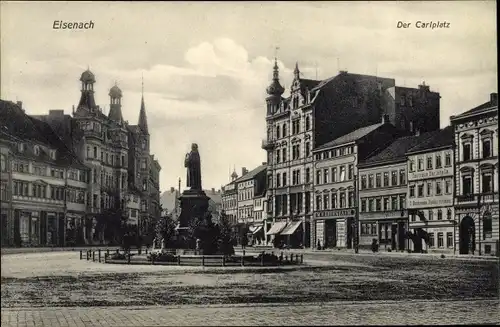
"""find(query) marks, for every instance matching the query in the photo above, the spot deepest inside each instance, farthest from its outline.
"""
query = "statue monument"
(193, 201)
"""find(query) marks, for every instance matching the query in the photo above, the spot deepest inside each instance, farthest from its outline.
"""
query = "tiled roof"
(251, 174)
(15, 122)
(479, 108)
(437, 139)
(309, 83)
(396, 150)
(350, 137)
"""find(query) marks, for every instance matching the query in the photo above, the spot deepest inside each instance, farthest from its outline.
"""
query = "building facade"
(230, 200)
(430, 192)
(308, 118)
(44, 185)
(476, 176)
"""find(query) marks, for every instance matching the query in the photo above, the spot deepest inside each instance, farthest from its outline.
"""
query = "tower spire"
(143, 122)
(275, 88)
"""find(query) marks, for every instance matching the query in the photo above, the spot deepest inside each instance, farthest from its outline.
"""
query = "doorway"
(467, 236)
(330, 233)
(349, 233)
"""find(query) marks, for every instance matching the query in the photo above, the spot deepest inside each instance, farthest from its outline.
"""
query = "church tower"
(274, 91)
(115, 104)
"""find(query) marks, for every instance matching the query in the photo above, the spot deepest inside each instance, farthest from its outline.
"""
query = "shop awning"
(291, 228)
(256, 229)
(276, 228)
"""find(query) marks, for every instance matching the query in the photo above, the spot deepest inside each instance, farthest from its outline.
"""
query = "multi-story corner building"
(117, 153)
(383, 189)
(309, 118)
(230, 200)
(44, 184)
(430, 192)
(476, 174)
(335, 171)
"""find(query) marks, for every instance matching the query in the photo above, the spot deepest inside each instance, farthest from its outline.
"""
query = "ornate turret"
(275, 88)
(143, 121)
(296, 71)
(87, 98)
(115, 111)
(234, 175)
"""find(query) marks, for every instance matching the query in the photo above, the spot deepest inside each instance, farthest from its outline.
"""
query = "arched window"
(284, 130)
(278, 131)
(3, 162)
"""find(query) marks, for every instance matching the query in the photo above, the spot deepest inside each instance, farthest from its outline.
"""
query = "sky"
(206, 65)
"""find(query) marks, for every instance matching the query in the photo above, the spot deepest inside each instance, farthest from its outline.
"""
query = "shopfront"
(334, 228)
(38, 228)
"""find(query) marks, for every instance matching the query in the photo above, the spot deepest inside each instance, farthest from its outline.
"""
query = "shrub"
(163, 257)
(268, 258)
(119, 256)
(443, 256)
(389, 250)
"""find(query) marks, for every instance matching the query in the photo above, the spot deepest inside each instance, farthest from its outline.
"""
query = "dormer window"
(36, 150)
(53, 154)
(21, 147)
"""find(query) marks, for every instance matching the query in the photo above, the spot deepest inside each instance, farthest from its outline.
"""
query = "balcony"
(489, 197)
(467, 198)
(93, 133)
(268, 144)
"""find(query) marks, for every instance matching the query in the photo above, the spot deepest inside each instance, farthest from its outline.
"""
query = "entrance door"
(51, 230)
(349, 232)
(330, 233)
(394, 234)
(401, 236)
(467, 236)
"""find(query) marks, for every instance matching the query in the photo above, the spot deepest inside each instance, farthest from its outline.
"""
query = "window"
(284, 155)
(343, 203)
(278, 132)
(284, 179)
(439, 190)
(371, 205)
(285, 131)
(363, 205)
(449, 239)
(420, 164)
(440, 214)
(378, 204)
(467, 185)
(438, 161)
(342, 173)
(95, 152)
(467, 151)
(325, 175)
(447, 186)
(308, 175)
(363, 182)
(487, 185)
(386, 179)
(431, 214)
(412, 191)
(402, 202)
(386, 204)
(420, 190)
(326, 201)
(36, 150)
(351, 172)
(429, 189)
(440, 240)
(429, 162)
(378, 180)
(308, 149)
(334, 200)
(318, 177)
(278, 156)
(431, 240)
(447, 160)
(394, 203)
(486, 148)
(318, 202)
(394, 178)
(412, 166)
(350, 199)
(402, 177)
(448, 214)
(334, 175)
(3, 163)
(487, 225)
(308, 123)
(370, 181)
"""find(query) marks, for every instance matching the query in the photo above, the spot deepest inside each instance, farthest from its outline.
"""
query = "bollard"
(281, 257)
(107, 251)
(242, 260)
(87, 255)
(152, 259)
(139, 250)
(105, 257)
(93, 255)
(202, 260)
(301, 258)
(146, 251)
(291, 258)
(262, 258)
(99, 255)
(223, 261)
(243, 252)
(128, 258)
(117, 251)
(81, 254)
(286, 258)
(179, 259)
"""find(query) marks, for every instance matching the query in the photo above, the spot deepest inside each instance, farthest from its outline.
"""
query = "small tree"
(204, 230)
(165, 229)
(225, 245)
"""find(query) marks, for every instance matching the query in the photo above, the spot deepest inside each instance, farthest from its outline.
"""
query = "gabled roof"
(478, 109)
(350, 137)
(437, 139)
(16, 123)
(396, 151)
(251, 174)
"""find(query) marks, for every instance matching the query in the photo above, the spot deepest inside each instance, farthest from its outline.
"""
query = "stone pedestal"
(194, 203)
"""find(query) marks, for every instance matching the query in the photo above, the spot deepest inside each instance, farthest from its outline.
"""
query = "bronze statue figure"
(193, 165)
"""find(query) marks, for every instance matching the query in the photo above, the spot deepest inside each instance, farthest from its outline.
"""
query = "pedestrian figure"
(374, 245)
(319, 245)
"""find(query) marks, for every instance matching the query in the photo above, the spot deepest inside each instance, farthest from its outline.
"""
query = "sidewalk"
(55, 249)
(364, 252)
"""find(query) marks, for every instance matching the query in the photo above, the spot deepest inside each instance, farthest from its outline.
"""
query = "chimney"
(213, 190)
(494, 99)
(20, 104)
(244, 171)
(385, 119)
(264, 163)
(172, 190)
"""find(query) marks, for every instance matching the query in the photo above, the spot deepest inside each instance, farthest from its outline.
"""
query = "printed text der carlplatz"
(424, 25)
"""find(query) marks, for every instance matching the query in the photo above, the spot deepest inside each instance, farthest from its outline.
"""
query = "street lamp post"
(356, 214)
